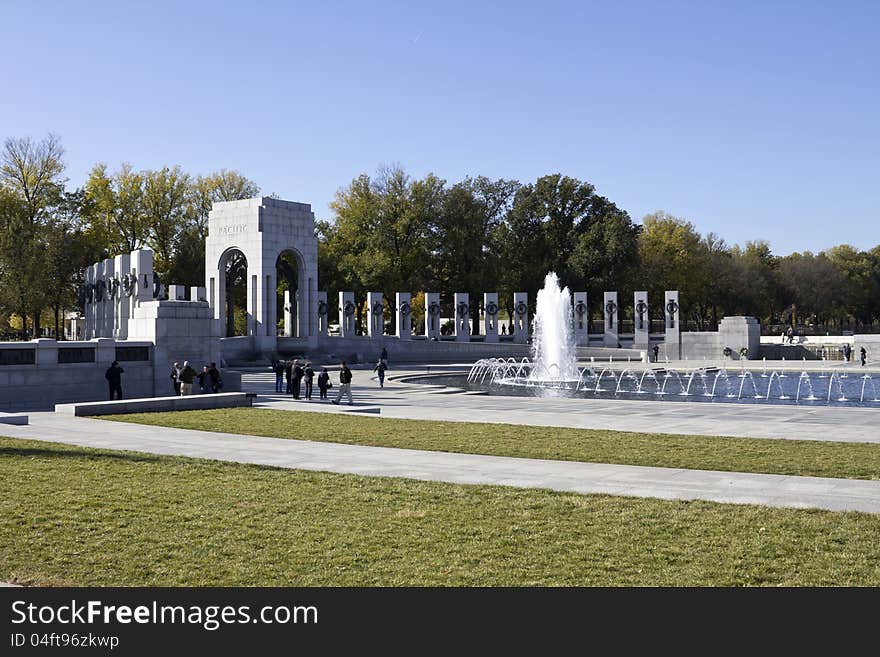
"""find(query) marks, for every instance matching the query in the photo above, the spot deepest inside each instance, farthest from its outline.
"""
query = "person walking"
(279, 376)
(380, 368)
(863, 356)
(344, 384)
(656, 351)
(114, 379)
(847, 351)
(308, 376)
(296, 378)
(175, 378)
(324, 382)
(187, 376)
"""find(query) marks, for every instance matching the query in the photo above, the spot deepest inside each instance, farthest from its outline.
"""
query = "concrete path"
(421, 402)
(665, 483)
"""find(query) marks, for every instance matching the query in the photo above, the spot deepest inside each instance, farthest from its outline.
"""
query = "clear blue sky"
(754, 120)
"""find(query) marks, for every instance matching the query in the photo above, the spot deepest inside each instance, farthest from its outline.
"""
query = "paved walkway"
(665, 483)
(421, 402)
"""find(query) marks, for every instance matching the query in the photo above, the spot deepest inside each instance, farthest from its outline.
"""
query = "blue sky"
(753, 120)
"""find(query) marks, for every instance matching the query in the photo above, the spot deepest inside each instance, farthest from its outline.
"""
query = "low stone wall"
(158, 404)
(36, 375)
(366, 350)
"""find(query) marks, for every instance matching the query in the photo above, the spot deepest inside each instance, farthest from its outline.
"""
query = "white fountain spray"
(553, 348)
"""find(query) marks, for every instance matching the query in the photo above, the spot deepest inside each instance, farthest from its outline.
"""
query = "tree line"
(49, 234)
(392, 232)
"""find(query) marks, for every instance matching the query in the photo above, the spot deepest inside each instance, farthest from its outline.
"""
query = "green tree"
(32, 185)
(381, 233)
(672, 256)
(470, 213)
(116, 210)
(167, 208)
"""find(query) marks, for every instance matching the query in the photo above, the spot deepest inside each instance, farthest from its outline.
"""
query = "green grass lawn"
(71, 515)
(793, 457)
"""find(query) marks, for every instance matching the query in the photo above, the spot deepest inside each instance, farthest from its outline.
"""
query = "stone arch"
(290, 267)
(233, 264)
(262, 229)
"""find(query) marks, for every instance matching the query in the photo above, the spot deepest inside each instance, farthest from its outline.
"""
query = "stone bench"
(159, 404)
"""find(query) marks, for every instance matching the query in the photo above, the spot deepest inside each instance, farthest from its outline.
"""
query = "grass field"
(791, 457)
(71, 515)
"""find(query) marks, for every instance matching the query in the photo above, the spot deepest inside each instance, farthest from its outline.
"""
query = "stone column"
(109, 298)
(303, 310)
(122, 266)
(89, 305)
(346, 314)
(432, 315)
(323, 312)
(581, 312)
(490, 319)
(288, 315)
(375, 315)
(739, 333)
(672, 343)
(611, 313)
(100, 293)
(403, 303)
(142, 264)
(641, 320)
(177, 293)
(520, 317)
(253, 300)
(462, 317)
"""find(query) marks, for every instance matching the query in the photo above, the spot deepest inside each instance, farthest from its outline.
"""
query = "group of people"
(297, 373)
(847, 354)
(300, 379)
(297, 377)
(184, 378)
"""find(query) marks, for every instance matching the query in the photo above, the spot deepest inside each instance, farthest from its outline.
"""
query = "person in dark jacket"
(214, 378)
(380, 368)
(204, 381)
(288, 374)
(863, 356)
(308, 375)
(187, 376)
(114, 379)
(324, 382)
(384, 355)
(279, 376)
(175, 378)
(344, 384)
(296, 378)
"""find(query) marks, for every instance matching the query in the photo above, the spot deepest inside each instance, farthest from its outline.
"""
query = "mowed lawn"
(791, 457)
(71, 515)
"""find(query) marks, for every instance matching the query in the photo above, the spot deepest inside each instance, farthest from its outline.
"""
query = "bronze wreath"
(521, 308)
(492, 308)
(405, 309)
(348, 309)
(463, 309)
(434, 309)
